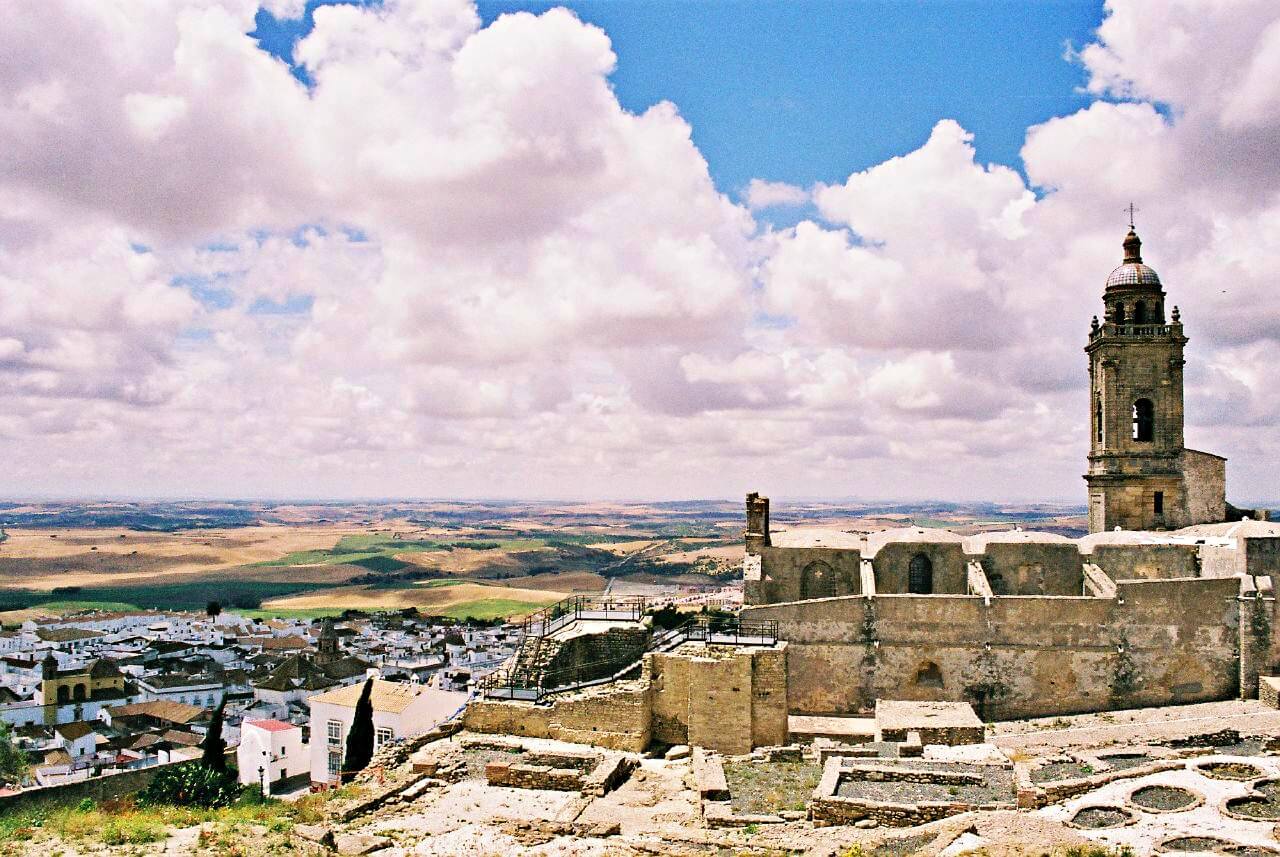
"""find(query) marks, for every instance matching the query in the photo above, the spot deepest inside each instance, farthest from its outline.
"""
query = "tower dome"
(1132, 274)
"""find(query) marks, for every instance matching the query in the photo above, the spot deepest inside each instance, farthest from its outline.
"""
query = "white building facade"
(400, 710)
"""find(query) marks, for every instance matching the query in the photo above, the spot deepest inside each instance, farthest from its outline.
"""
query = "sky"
(620, 250)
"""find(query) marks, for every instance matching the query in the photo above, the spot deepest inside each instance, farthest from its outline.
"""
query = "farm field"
(458, 559)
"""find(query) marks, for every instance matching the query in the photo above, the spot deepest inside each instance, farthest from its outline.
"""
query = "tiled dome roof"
(1133, 274)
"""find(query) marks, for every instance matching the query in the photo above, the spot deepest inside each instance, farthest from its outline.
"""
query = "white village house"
(270, 751)
(400, 710)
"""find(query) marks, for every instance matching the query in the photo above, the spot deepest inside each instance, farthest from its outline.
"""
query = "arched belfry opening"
(1144, 420)
(920, 575)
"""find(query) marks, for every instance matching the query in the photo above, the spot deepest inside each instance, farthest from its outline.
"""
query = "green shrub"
(191, 784)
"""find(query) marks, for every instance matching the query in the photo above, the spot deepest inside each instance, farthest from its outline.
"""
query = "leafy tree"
(13, 762)
(360, 738)
(213, 609)
(667, 617)
(215, 748)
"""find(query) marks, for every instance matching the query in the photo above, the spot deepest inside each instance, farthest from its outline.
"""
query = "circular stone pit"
(1207, 844)
(1249, 851)
(1101, 817)
(1124, 761)
(1212, 845)
(1162, 798)
(1239, 771)
(1262, 804)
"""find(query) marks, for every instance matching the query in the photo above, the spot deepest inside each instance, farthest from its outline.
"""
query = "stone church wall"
(1205, 478)
(892, 565)
(1156, 643)
(1033, 568)
(1262, 556)
(1147, 562)
(783, 572)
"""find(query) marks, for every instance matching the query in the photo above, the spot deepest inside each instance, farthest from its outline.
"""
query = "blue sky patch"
(291, 305)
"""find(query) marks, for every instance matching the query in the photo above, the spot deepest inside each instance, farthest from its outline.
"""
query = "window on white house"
(382, 734)
(335, 731)
(335, 762)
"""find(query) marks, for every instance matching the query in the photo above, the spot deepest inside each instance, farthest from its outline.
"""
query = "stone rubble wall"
(838, 810)
(592, 776)
(891, 774)
(827, 807)
(730, 699)
(951, 736)
(544, 777)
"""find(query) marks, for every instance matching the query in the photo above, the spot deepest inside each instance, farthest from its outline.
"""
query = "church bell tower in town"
(1141, 477)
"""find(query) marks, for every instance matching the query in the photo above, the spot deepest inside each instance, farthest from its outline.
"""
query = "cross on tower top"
(1131, 209)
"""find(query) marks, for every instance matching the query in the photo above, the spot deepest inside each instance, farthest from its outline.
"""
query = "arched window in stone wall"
(818, 580)
(1144, 420)
(920, 575)
(64, 693)
(928, 675)
(1140, 312)
(81, 692)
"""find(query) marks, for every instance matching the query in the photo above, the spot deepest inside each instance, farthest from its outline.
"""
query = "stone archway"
(920, 575)
(818, 580)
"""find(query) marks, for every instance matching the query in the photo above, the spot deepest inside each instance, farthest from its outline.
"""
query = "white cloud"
(765, 194)
(457, 265)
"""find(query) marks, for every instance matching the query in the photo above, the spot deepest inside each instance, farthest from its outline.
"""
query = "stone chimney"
(757, 535)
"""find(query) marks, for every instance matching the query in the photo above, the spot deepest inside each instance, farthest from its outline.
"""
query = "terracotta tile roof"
(74, 731)
(271, 725)
(103, 668)
(57, 757)
(161, 709)
(177, 736)
(65, 635)
(387, 696)
(278, 643)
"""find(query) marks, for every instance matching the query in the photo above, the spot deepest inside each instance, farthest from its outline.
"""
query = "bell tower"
(1136, 457)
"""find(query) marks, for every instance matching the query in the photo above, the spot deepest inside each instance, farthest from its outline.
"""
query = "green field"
(491, 608)
(159, 596)
(377, 551)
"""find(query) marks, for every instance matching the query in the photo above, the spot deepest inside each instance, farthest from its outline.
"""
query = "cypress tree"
(215, 749)
(360, 738)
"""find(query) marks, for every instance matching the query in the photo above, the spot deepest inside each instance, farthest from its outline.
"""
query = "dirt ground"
(43, 559)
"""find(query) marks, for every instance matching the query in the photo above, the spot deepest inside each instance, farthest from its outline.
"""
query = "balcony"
(1135, 331)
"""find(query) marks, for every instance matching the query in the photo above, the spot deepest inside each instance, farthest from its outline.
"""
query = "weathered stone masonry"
(726, 699)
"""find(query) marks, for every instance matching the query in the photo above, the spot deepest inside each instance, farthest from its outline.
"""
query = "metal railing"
(1109, 329)
(571, 609)
(534, 683)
